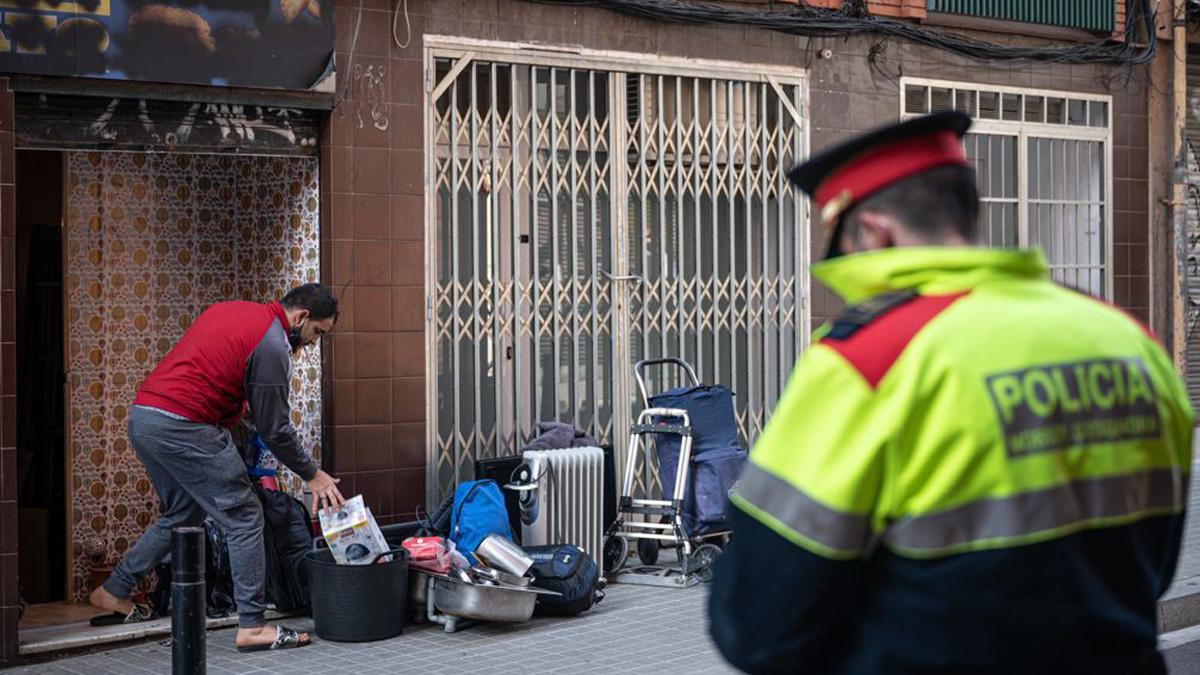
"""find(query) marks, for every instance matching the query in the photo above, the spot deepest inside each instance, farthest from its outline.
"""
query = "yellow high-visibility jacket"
(972, 470)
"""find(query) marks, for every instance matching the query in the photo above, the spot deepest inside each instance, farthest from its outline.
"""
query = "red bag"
(428, 554)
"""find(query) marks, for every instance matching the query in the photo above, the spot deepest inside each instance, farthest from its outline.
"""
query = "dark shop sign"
(282, 44)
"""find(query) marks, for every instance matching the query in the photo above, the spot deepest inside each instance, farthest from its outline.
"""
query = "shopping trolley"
(695, 436)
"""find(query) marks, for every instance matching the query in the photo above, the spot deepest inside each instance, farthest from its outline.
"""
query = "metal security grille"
(1043, 164)
(586, 212)
(1191, 281)
(712, 234)
(1093, 15)
(995, 162)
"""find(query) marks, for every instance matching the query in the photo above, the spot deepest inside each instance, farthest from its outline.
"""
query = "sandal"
(140, 612)
(285, 638)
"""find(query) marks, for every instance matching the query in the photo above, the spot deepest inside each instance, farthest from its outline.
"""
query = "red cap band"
(889, 163)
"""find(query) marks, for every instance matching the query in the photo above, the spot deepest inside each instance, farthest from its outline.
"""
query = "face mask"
(294, 338)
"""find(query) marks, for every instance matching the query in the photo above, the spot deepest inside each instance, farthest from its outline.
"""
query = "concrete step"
(1180, 607)
(76, 636)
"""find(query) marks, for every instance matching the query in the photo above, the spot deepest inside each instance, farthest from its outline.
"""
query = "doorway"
(41, 441)
(124, 238)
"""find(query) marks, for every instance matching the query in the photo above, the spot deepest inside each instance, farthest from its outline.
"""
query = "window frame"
(1023, 131)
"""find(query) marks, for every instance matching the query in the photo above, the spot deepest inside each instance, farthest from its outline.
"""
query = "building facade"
(583, 188)
(519, 200)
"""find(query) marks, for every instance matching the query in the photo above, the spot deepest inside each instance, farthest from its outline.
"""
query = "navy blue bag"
(478, 511)
(710, 409)
(569, 571)
(707, 499)
(717, 459)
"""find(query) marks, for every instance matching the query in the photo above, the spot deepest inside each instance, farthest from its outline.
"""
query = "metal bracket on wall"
(786, 102)
(459, 66)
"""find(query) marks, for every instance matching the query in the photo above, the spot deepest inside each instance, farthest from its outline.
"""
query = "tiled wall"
(374, 209)
(909, 9)
(151, 240)
(373, 222)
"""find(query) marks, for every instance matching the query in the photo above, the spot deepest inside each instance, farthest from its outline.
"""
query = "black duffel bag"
(218, 577)
(286, 539)
(566, 569)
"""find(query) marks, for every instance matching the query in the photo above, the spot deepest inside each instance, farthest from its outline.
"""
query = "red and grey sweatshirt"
(235, 354)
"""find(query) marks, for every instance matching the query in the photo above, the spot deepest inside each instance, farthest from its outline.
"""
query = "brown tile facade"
(373, 224)
(374, 204)
(909, 9)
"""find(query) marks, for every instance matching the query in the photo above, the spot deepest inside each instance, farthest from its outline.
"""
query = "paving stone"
(1187, 574)
(635, 627)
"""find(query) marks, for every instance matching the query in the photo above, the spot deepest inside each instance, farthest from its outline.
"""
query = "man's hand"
(324, 491)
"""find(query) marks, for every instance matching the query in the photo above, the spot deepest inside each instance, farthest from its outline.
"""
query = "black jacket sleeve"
(268, 374)
(775, 607)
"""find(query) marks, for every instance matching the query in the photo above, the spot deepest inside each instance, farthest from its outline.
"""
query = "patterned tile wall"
(152, 240)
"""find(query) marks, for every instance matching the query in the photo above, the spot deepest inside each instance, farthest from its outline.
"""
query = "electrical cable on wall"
(814, 22)
(407, 26)
(345, 89)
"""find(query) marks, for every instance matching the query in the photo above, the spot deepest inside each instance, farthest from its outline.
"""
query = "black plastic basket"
(358, 603)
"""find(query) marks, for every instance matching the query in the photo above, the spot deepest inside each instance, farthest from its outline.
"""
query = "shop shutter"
(1192, 271)
(1091, 15)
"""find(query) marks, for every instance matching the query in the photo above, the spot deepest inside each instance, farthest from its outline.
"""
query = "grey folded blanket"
(559, 435)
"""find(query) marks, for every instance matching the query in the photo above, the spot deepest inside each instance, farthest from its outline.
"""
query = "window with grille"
(1042, 163)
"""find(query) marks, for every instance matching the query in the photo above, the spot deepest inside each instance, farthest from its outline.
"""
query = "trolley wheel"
(701, 560)
(647, 550)
(616, 552)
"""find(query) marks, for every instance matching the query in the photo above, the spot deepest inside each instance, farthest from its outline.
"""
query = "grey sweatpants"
(196, 470)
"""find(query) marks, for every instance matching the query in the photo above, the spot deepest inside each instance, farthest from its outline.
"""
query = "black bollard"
(188, 630)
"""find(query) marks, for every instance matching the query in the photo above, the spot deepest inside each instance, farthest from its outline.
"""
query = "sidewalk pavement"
(1180, 607)
(634, 628)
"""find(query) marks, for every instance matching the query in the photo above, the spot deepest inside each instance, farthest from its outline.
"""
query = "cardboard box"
(353, 536)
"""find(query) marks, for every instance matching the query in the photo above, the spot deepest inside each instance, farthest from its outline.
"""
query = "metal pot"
(483, 603)
(512, 580)
(488, 574)
(501, 554)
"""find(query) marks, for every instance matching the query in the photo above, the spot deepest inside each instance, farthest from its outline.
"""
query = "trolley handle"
(654, 420)
(649, 414)
(646, 363)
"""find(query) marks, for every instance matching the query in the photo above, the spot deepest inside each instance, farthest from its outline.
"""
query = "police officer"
(973, 469)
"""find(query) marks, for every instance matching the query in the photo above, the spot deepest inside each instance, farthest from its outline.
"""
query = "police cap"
(840, 177)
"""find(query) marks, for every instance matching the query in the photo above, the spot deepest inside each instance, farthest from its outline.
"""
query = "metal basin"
(483, 603)
(418, 594)
(488, 575)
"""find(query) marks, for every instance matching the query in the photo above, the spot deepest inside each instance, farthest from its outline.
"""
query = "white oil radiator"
(562, 497)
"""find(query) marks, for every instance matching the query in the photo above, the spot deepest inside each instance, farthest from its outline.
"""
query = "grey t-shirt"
(268, 381)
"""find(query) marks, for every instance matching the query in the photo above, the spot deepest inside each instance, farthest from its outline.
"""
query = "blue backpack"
(478, 511)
